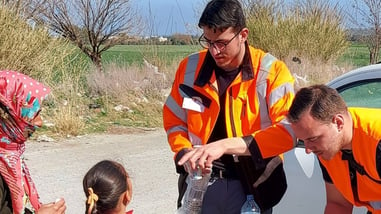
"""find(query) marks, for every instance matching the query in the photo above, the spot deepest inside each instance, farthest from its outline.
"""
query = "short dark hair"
(322, 101)
(222, 14)
(108, 179)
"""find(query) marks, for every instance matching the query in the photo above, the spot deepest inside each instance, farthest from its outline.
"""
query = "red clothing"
(22, 97)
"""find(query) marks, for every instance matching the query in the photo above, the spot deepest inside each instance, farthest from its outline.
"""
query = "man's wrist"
(248, 140)
(235, 145)
(179, 155)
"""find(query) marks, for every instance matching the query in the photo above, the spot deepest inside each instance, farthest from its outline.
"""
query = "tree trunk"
(371, 57)
(97, 61)
(374, 53)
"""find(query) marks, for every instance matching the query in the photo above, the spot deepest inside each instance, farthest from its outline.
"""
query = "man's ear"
(244, 34)
(338, 119)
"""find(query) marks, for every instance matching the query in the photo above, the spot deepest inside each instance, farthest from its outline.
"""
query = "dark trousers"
(182, 187)
(224, 196)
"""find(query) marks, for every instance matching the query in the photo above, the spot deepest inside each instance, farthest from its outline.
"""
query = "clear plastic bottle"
(192, 200)
(250, 207)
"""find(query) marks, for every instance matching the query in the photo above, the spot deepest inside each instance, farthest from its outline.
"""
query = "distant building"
(163, 39)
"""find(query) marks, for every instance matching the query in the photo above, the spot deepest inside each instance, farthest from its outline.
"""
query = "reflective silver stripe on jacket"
(287, 126)
(278, 93)
(176, 109)
(275, 95)
(270, 167)
(194, 139)
(375, 204)
(190, 71)
(189, 78)
(264, 68)
(176, 129)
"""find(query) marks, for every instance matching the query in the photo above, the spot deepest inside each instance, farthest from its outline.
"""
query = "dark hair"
(322, 101)
(108, 179)
(222, 14)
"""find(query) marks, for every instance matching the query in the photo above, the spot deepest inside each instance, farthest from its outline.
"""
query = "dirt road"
(58, 168)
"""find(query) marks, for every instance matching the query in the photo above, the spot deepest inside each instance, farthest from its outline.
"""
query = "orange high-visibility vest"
(365, 140)
(259, 97)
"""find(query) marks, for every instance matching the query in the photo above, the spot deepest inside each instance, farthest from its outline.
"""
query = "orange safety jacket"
(259, 97)
(366, 150)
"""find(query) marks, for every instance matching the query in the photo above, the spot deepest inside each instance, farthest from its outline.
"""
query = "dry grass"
(131, 95)
(309, 29)
(311, 72)
(67, 105)
(123, 83)
(67, 122)
(27, 49)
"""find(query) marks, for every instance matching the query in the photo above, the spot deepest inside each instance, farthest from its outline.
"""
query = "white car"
(306, 191)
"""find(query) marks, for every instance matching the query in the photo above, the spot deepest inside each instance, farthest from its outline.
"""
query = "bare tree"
(367, 17)
(25, 8)
(93, 26)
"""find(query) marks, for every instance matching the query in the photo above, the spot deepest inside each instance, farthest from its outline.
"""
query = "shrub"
(32, 50)
(308, 29)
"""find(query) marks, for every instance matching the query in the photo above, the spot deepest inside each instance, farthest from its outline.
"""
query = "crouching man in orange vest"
(348, 144)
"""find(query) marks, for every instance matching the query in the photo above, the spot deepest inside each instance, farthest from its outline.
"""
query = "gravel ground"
(58, 168)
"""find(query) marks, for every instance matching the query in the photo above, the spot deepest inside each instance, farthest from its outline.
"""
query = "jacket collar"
(209, 65)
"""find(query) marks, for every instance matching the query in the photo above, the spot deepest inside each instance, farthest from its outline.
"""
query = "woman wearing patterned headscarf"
(20, 105)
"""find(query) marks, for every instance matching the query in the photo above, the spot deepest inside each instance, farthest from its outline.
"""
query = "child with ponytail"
(108, 188)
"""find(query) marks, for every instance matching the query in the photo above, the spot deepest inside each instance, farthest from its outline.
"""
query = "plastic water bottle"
(250, 207)
(192, 200)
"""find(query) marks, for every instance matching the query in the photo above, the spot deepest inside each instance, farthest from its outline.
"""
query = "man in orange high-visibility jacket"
(230, 90)
(348, 144)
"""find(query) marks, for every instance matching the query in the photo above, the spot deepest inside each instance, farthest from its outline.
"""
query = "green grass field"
(130, 54)
(356, 55)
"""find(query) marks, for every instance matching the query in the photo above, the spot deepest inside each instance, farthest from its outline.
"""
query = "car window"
(362, 94)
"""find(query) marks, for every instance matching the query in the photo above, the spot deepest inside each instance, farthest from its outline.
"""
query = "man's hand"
(58, 207)
(205, 155)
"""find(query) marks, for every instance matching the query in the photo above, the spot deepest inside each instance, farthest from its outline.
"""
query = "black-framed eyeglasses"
(218, 45)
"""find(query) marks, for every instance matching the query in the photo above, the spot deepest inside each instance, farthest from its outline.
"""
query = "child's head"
(107, 187)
